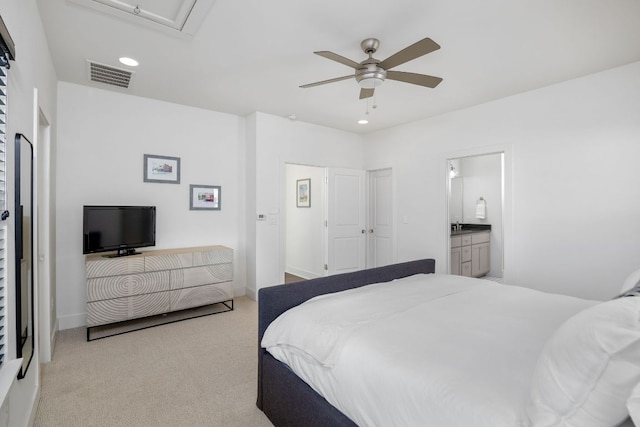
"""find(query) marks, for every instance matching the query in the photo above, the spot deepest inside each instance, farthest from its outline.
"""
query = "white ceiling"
(251, 55)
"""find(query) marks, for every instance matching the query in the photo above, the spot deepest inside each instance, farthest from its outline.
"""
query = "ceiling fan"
(372, 72)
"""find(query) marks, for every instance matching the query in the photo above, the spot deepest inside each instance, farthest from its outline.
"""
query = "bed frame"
(282, 395)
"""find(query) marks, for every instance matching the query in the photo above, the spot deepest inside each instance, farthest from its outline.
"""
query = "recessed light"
(129, 61)
(363, 122)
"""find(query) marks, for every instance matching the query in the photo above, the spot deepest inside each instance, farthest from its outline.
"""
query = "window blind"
(3, 207)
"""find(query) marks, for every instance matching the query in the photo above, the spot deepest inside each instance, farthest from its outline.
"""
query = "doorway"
(305, 222)
(476, 195)
(327, 232)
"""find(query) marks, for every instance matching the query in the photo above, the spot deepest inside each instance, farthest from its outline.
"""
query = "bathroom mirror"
(456, 191)
(24, 251)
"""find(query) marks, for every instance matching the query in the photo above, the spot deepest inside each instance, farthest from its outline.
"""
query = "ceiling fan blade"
(335, 57)
(337, 79)
(366, 93)
(414, 51)
(413, 78)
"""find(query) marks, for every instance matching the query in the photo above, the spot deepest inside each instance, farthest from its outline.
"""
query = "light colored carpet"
(198, 372)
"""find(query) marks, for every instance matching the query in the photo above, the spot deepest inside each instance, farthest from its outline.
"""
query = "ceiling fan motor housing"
(369, 46)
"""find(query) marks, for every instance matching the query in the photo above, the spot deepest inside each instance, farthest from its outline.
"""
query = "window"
(7, 52)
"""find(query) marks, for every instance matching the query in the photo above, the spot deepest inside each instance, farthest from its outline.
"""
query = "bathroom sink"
(471, 228)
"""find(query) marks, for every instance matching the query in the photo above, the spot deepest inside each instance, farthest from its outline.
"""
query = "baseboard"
(250, 293)
(54, 336)
(72, 321)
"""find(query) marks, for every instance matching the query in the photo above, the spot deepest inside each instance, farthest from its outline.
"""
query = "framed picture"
(303, 193)
(205, 197)
(162, 169)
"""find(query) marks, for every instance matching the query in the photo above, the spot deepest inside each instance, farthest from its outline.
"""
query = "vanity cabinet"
(470, 254)
(456, 255)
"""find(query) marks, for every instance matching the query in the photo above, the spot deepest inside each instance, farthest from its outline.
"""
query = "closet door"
(346, 220)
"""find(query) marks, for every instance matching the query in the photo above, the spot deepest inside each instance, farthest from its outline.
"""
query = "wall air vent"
(109, 75)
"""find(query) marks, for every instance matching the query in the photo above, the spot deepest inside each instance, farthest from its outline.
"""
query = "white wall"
(102, 139)
(273, 142)
(305, 229)
(572, 154)
(32, 70)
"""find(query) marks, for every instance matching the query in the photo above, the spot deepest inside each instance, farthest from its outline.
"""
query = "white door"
(346, 220)
(380, 231)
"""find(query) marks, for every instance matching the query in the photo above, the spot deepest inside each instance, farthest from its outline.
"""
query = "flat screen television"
(118, 228)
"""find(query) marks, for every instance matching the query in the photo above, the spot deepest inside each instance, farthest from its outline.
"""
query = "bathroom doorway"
(476, 200)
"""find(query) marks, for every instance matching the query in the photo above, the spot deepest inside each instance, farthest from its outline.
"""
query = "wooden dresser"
(156, 282)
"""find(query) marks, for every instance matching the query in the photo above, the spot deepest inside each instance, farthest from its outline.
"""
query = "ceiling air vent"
(108, 75)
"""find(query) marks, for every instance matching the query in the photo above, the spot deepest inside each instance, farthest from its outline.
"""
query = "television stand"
(156, 282)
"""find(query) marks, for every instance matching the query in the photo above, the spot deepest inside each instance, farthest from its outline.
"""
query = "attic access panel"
(184, 16)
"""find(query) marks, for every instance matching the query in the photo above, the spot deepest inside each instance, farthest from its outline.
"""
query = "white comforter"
(427, 350)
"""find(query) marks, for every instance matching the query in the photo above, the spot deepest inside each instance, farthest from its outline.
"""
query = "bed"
(337, 351)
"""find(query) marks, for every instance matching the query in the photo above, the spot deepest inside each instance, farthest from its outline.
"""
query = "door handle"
(363, 231)
(371, 231)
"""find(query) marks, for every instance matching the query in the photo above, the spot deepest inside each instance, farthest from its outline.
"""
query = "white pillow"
(632, 281)
(588, 368)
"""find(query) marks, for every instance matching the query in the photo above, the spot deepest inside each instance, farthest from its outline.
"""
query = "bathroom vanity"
(470, 249)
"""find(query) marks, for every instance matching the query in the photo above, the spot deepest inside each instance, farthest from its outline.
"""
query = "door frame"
(43, 240)
(318, 199)
(508, 253)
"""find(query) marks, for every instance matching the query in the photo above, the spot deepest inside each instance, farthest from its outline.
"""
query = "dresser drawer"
(119, 309)
(103, 267)
(218, 256)
(102, 288)
(168, 262)
(198, 276)
(201, 295)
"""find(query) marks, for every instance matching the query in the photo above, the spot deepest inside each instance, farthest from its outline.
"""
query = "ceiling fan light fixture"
(370, 76)
(370, 82)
